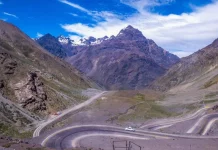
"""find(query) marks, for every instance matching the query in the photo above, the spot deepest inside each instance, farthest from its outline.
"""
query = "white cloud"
(72, 14)
(76, 6)
(140, 5)
(182, 53)
(187, 32)
(11, 15)
(38, 35)
(96, 16)
(99, 31)
(76, 38)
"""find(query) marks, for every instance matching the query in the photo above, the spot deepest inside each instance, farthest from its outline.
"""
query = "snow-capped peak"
(82, 41)
(65, 40)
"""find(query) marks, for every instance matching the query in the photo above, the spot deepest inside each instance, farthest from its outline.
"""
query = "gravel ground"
(106, 143)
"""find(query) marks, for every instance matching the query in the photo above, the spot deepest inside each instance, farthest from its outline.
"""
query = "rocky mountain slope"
(190, 68)
(126, 61)
(193, 82)
(32, 81)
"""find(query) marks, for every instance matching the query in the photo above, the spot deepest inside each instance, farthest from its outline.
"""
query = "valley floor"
(157, 126)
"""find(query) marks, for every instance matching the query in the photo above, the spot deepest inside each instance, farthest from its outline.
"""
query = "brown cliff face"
(127, 61)
(30, 93)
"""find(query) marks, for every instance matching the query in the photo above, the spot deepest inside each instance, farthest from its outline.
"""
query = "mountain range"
(42, 77)
(126, 61)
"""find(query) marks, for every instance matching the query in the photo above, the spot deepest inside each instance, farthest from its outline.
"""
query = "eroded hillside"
(33, 80)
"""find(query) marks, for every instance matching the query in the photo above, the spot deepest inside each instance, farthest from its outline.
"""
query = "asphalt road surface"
(70, 137)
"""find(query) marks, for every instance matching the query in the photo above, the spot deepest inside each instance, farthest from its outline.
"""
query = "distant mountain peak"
(48, 35)
(215, 43)
(130, 27)
(52, 44)
(131, 33)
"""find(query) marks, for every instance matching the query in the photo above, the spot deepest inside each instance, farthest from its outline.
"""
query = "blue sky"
(179, 26)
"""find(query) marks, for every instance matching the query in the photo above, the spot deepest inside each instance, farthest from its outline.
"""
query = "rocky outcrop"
(30, 93)
(8, 65)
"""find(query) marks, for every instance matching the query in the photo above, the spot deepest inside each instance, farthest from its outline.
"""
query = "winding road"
(77, 107)
(165, 123)
(69, 137)
(203, 125)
